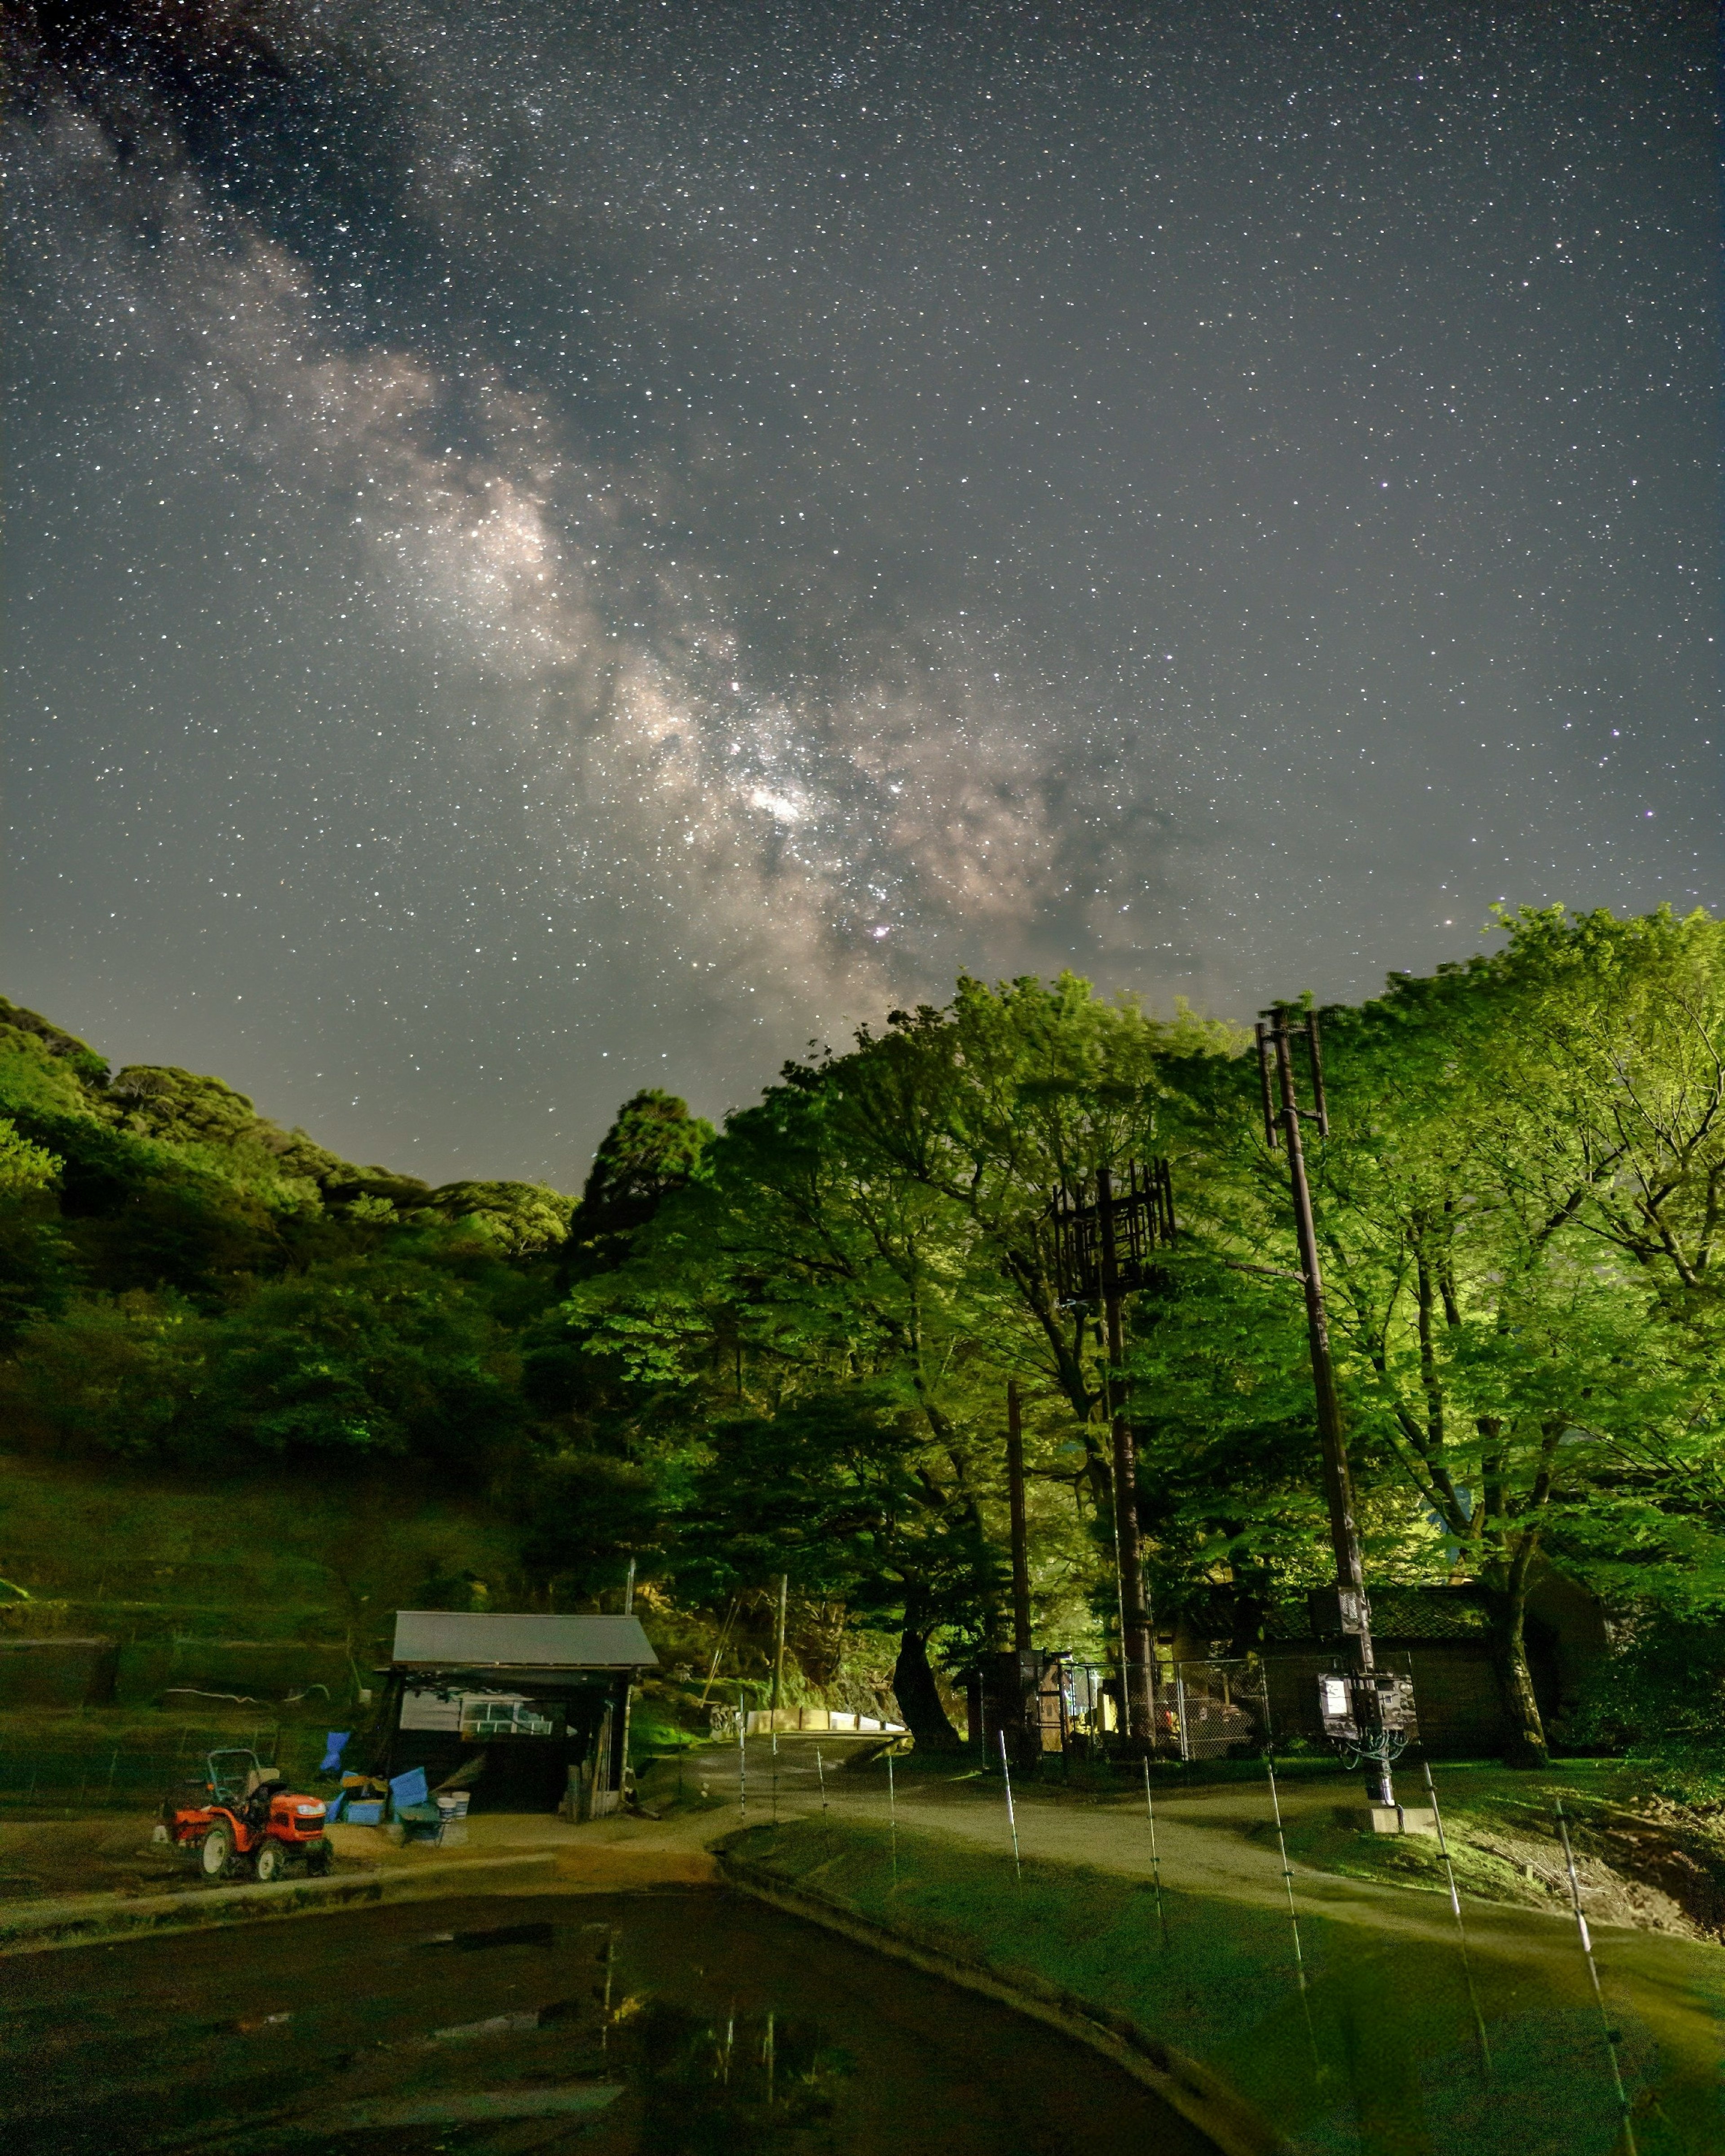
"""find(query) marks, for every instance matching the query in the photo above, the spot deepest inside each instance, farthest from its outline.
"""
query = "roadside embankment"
(1377, 2052)
(1204, 2100)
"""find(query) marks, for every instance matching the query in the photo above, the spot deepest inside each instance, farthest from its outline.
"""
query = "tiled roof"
(1398, 1612)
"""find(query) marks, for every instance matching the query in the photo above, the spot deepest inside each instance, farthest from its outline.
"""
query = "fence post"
(1587, 1948)
(1155, 1855)
(1012, 1818)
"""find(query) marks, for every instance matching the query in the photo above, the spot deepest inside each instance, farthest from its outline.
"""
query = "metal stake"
(1012, 1817)
(820, 1775)
(1587, 1948)
(775, 1776)
(743, 1763)
(892, 1815)
(1287, 1881)
(1155, 1860)
(1479, 2021)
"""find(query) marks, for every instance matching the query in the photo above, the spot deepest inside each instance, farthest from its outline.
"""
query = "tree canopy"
(782, 1347)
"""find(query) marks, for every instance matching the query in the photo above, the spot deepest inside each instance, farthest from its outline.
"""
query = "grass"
(1499, 1823)
(1378, 2058)
(1643, 1859)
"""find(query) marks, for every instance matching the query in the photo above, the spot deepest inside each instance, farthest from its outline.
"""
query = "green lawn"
(1379, 2055)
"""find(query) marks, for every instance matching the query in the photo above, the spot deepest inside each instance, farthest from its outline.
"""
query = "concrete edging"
(1224, 2118)
(38, 1927)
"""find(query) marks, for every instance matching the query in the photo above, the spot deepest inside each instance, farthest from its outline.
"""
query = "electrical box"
(1351, 1707)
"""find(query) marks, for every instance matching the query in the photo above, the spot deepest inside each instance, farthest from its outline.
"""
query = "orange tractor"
(240, 1821)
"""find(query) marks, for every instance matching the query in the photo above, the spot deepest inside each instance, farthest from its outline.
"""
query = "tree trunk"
(918, 1701)
(1524, 1728)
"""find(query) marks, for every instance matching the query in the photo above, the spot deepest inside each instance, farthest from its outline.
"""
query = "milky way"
(559, 549)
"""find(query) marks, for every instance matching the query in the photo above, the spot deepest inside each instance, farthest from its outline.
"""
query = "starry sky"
(560, 548)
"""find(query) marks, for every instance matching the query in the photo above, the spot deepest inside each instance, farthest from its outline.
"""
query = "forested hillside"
(784, 1347)
(193, 1297)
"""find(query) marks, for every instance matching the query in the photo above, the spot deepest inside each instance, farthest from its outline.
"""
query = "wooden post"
(629, 1694)
(1016, 1500)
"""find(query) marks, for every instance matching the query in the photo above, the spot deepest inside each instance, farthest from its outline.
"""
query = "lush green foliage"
(784, 1347)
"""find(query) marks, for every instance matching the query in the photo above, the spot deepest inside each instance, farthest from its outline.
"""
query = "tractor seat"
(261, 1778)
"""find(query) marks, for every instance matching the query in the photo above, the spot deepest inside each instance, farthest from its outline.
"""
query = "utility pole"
(1020, 1540)
(624, 1774)
(1281, 1126)
(1135, 1620)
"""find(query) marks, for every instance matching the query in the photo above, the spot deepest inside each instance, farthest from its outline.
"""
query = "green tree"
(786, 1284)
(653, 1148)
(1497, 1358)
(388, 1355)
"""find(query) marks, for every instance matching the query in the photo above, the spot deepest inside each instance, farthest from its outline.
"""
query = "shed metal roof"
(451, 1639)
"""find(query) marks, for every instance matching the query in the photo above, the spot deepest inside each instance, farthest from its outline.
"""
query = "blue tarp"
(335, 1744)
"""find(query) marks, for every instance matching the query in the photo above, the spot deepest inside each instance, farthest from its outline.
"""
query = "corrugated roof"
(505, 1641)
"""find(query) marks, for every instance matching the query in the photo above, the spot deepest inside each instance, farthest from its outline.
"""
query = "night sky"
(557, 549)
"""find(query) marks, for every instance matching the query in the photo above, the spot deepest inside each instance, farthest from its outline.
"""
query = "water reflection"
(671, 2025)
(749, 2082)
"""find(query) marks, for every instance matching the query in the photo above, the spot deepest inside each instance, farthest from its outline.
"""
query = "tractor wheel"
(317, 1859)
(217, 1853)
(272, 1862)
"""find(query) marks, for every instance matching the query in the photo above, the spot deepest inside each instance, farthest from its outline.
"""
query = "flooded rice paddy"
(692, 2023)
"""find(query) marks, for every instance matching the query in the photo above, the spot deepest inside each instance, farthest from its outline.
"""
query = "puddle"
(695, 2025)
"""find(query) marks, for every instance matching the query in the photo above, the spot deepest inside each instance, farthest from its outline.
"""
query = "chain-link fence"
(1221, 1710)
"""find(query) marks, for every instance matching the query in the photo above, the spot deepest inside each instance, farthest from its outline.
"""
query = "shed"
(527, 1710)
(1440, 1636)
